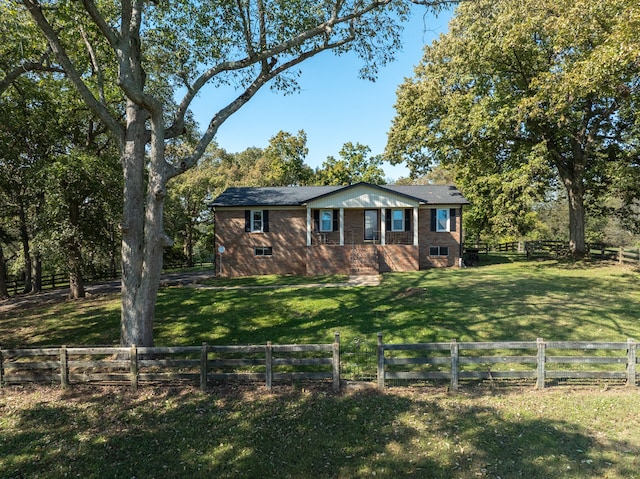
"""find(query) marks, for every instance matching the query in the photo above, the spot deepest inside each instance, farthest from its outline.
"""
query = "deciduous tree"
(155, 51)
(520, 90)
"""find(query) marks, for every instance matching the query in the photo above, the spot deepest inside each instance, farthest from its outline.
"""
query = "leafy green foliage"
(355, 165)
(519, 96)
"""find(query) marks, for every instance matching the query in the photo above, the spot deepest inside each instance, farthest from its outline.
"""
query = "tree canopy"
(521, 96)
(158, 57)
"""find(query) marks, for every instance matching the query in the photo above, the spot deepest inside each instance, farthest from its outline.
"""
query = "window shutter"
(247, 221)
(408, 213)
(433, 219)
(336, 220)
(265, 221)
(452, 219)
(316, 220)
(388, 219)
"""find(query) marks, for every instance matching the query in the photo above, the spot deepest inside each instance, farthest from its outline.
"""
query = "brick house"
(355, 229)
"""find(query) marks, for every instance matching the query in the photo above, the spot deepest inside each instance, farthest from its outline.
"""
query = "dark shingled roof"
(300, 195)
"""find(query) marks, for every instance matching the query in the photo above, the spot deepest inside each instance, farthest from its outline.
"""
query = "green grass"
(504, 301)
(237, 432)
(112, 433)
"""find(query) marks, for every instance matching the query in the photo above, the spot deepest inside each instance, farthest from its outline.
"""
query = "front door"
(370, 225)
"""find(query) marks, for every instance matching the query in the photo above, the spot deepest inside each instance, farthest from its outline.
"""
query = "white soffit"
(363, 197)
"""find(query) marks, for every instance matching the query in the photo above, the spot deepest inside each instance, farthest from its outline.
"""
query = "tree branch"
(56, 46)
(322, 29)
(25, 68)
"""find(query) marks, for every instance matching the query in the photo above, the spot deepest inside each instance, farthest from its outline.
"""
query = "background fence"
(537, 361)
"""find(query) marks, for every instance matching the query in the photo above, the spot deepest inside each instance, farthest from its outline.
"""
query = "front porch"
(356, 226)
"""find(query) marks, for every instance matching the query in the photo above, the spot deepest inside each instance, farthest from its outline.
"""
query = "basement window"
(438, 251)
(263, 251)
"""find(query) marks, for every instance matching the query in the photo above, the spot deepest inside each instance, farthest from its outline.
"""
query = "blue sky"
(334, 105)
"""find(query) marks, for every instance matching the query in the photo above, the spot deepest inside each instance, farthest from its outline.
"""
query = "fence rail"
(196, 364)
(514, 359)
(538, 361)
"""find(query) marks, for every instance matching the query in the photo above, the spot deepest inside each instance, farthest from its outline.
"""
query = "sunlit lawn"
(508, 301)
(589, 431)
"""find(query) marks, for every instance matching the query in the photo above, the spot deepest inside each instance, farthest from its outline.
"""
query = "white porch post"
(415, 226)
(383, 226)
(308, 226)
(341, 226)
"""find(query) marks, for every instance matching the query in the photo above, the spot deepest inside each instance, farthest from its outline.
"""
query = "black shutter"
(336, 220)
(452, 219)
(387, 219)
(265, 221)
(433, 219)
(316, 220)
(408, 213)
(247, 221)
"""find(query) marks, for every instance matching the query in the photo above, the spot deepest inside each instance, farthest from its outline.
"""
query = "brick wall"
(287, 236)
(430, 238)
(396, 257)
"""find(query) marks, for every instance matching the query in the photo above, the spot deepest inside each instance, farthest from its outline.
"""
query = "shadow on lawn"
(422, 307)
(295, 434)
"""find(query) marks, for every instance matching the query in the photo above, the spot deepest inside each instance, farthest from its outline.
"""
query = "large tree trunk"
(143, 237)
(575, 193)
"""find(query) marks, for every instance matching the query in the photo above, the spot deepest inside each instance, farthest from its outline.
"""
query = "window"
(326, 220)
(438, 251)
(442, 220)
(397, 220)
(263, 251)
(256, 221)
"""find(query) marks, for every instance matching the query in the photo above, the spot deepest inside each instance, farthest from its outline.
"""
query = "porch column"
(383, 226)
(415, 226)
(308, 226)
(341, 226)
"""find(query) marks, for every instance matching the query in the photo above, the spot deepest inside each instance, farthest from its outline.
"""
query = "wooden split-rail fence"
(537, 361)
(156, 365)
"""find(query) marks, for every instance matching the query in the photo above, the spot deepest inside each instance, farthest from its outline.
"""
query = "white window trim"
(324, 230)
(393, 226)
(253, 227)
(447, 228)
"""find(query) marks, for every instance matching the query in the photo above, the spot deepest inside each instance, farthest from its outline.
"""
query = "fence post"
(204, 366)
(336, 361)
(133, 366)
(631, 362)
(269, 365)
(540, 370)
(1, 369)
(380, 362)
(455, 355)
(64, 368)
(621, 255)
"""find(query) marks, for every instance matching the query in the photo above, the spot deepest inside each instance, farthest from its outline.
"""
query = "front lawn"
(522, 300)
(299, 432)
